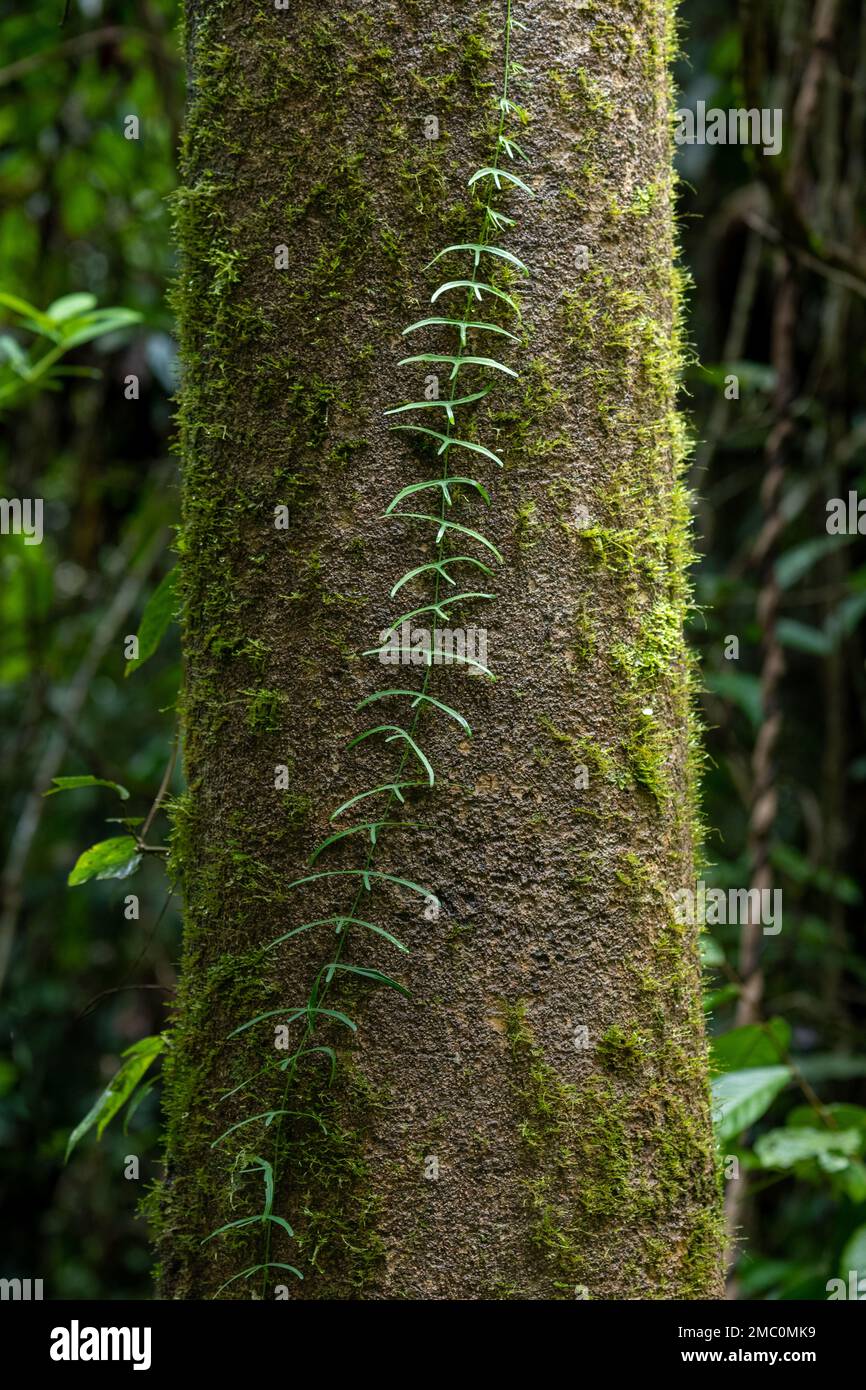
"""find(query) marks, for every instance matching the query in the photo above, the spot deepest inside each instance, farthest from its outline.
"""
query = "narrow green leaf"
(68, 784)
(396, 789)
(441, 404)
(96, 325)
(397, 732)
(158, 614)
(268, 1179)
(476, 286)
(450, 526)
(341, 923)
(438, 608)
(457, 362)
(417, 697)
(462, 324)
(372, 826)
(480, 248)
(375, 975)
(439, 566)
(267, 1115)
(291, 1016)
(366, 874)
(449, 443)
(496, 174)
(445, 484)
(20, 306)
(254, 1269)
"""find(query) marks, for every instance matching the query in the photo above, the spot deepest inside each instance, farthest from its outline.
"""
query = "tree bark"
(532, 1121)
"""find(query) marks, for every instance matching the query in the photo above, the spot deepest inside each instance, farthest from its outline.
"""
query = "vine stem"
(440, 552)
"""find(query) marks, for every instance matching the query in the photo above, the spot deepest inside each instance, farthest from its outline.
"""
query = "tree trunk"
(532, 1120)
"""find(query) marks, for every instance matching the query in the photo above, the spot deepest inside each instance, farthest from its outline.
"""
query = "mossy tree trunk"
(532, 1122)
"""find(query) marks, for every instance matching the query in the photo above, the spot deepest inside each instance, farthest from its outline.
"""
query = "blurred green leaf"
(854, 1255)
(70, 306)
(755, 1045)
(140, 1056)
(742, 1097)
(802, 638)
(783, 1148)
(741, 689)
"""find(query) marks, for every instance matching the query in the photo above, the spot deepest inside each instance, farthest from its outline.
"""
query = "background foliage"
(85, 210)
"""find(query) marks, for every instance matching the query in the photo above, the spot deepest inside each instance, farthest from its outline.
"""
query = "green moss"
(264, 710)
(621, 1051)
(527, 524)
(587, 752)
(586, 1182)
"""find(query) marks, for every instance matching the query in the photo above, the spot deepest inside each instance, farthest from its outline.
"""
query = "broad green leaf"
(800, 637)
(844, 1116)
(742, 1097)
(139, 1057)
(158, 613)
(799, 560)
(68, 784)
(740, 688)
(829, 1066)
(852, 1181)
(115, 858)
(755, 1045)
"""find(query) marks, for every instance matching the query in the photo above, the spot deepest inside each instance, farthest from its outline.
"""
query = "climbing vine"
(414, 769)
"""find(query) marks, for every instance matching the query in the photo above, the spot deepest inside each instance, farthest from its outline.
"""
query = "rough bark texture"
(564, 1169)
